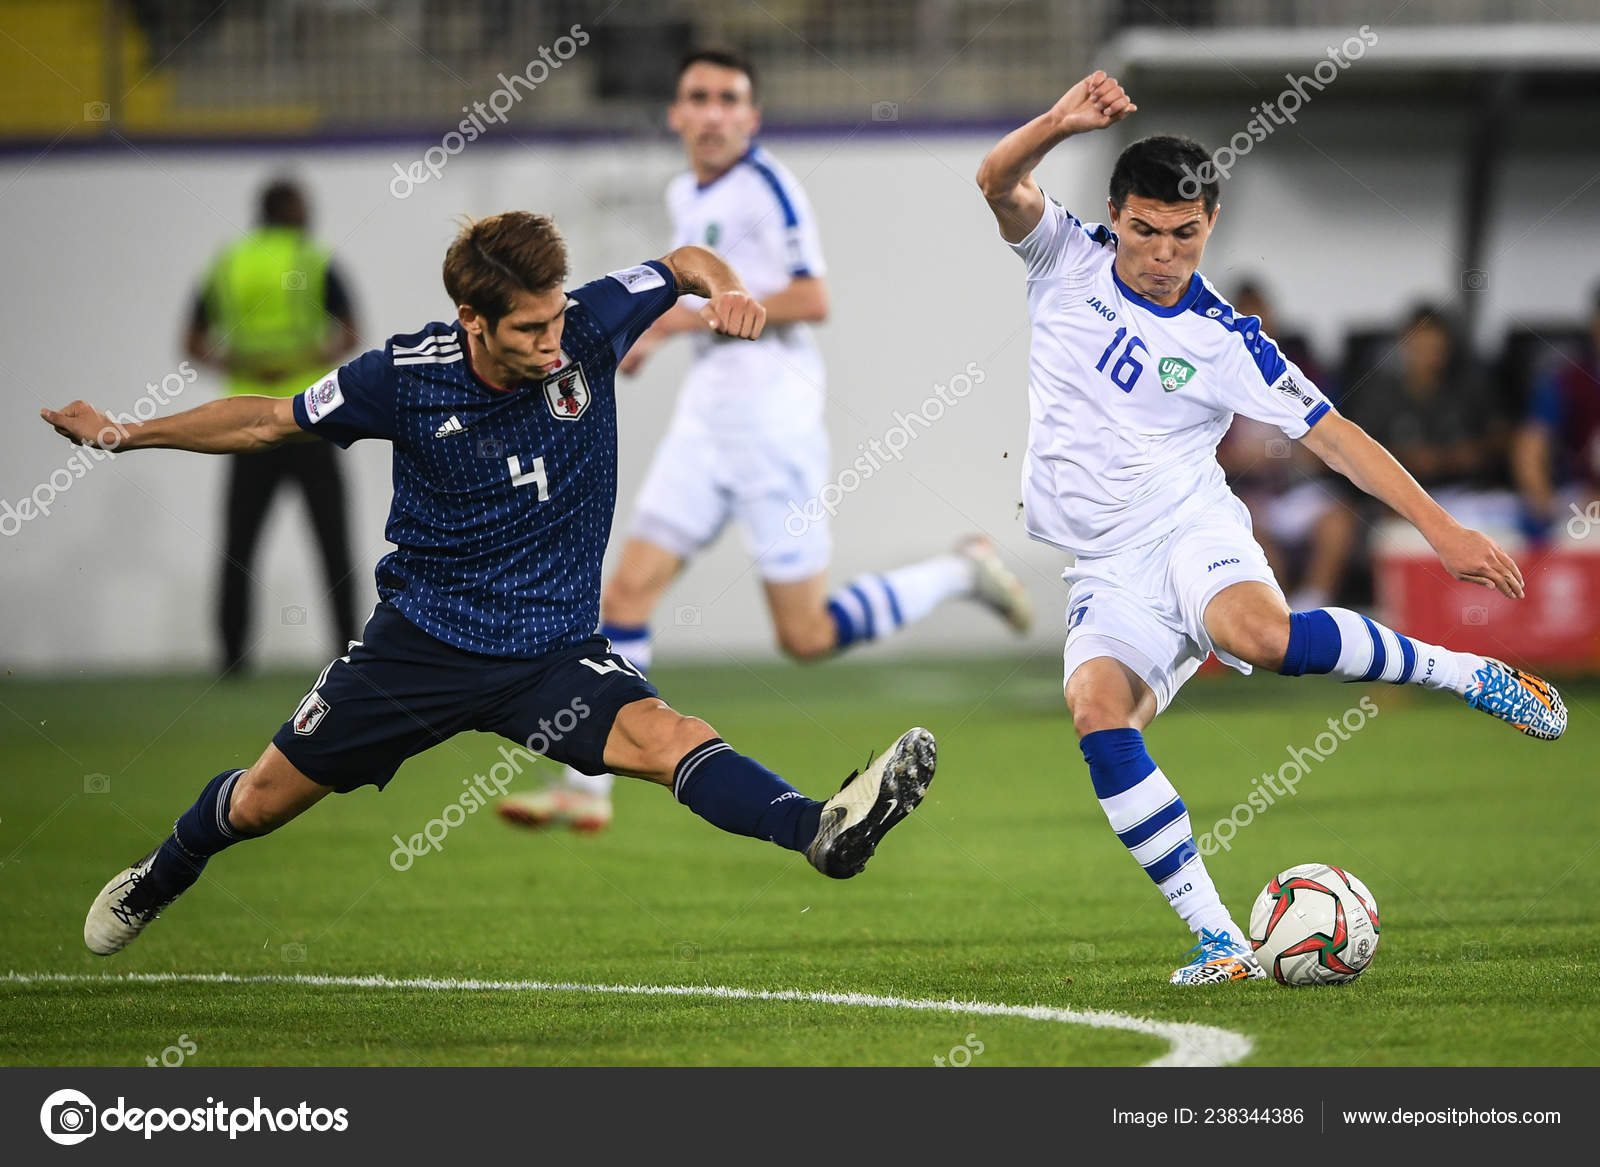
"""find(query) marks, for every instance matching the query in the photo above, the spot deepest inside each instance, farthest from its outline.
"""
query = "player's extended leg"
(235, 805)
(627, 602)
(876, 605)
(1251, 621)
(651, 740)
(1110, 708)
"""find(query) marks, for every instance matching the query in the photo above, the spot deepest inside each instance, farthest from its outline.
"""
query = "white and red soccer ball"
(1314, 925)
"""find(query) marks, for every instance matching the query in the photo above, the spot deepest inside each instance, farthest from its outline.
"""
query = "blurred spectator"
(1301, 511)
(1430, 405)
(274, 315)
(1557, 451)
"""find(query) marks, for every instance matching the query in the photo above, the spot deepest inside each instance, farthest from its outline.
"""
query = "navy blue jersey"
(502, 498)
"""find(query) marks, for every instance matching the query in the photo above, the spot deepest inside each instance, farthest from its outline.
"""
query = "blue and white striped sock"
(1153, 824)
(872, 607)
(633, 642)
(1348, 645)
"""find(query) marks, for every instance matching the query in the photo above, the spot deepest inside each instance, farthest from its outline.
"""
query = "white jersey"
(1128, 399)
(757, 217)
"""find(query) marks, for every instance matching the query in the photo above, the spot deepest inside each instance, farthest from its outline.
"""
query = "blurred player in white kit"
(747, 440)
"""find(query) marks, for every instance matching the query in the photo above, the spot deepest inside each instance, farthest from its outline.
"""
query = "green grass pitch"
(1005, 887)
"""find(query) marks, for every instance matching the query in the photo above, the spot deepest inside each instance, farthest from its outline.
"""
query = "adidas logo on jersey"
(453, 426)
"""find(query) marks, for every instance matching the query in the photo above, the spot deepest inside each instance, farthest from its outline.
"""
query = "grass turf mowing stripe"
(1192, 1044)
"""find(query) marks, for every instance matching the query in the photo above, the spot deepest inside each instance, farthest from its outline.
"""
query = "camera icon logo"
(490, 448)
(1079, 952)
(292, 953)
(685, 952)
(97, 783)
(67, 1117)
(885, 111)
(1475, 614)
(294, 615)
(96, 111)
(1278, 448)
(1474, 280)
(294, 281)
(686, 616)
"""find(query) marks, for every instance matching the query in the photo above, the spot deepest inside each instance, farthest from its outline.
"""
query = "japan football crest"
(567, 393)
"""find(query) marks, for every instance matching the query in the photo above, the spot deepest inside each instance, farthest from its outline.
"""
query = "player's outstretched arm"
(1466, 554)
(730, 310)
(229, 425)
(1006, 174)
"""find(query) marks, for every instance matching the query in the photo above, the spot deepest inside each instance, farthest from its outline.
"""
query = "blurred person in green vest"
(273, 316)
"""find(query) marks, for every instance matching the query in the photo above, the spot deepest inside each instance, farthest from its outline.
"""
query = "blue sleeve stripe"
(1318, 412)
(790, 219)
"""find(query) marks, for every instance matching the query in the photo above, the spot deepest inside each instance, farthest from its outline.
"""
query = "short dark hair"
(493, 259)
(1426, 315)
(1164, 168)
(283, 204)
(722, 57)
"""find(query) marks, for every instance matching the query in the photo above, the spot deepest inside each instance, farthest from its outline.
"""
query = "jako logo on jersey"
(1222, 563)
(1094, 302)
(1290, 389)
(1174, 373)
(567, 393)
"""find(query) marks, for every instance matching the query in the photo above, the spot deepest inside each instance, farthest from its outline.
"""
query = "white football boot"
(995, 585)
(855, 820)
(111, 924)
(1217, 958)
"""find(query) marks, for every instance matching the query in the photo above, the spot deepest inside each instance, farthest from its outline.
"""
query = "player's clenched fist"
(734, 314)
(1093, 104)
(84, 425)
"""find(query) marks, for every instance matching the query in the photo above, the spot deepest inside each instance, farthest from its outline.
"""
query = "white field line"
(1192, 1045)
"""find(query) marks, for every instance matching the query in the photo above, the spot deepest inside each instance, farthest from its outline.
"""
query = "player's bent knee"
(1263, 643)
(1091, 716)
(252, 809)
(812, 643)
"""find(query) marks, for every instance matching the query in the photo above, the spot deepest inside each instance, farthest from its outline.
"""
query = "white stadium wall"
(102, 250)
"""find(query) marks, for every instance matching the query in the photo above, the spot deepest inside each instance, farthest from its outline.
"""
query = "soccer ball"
(1314, 925)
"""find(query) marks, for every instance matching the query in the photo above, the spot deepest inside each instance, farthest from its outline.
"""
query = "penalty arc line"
(1192, 1044)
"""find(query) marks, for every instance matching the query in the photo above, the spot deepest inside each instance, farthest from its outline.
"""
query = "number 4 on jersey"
(535, 475)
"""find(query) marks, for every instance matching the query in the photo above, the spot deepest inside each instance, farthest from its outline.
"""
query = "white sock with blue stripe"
(631, 641)
(1153, 824)
(1352, 647)
(872, 607)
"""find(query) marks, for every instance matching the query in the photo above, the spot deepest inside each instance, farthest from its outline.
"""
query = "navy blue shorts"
(399, 691)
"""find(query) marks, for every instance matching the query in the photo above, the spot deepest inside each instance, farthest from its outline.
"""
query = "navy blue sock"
(200, 832)
(743, 797)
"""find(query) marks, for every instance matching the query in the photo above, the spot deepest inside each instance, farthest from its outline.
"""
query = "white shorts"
(1143, 606)
(699, 479)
